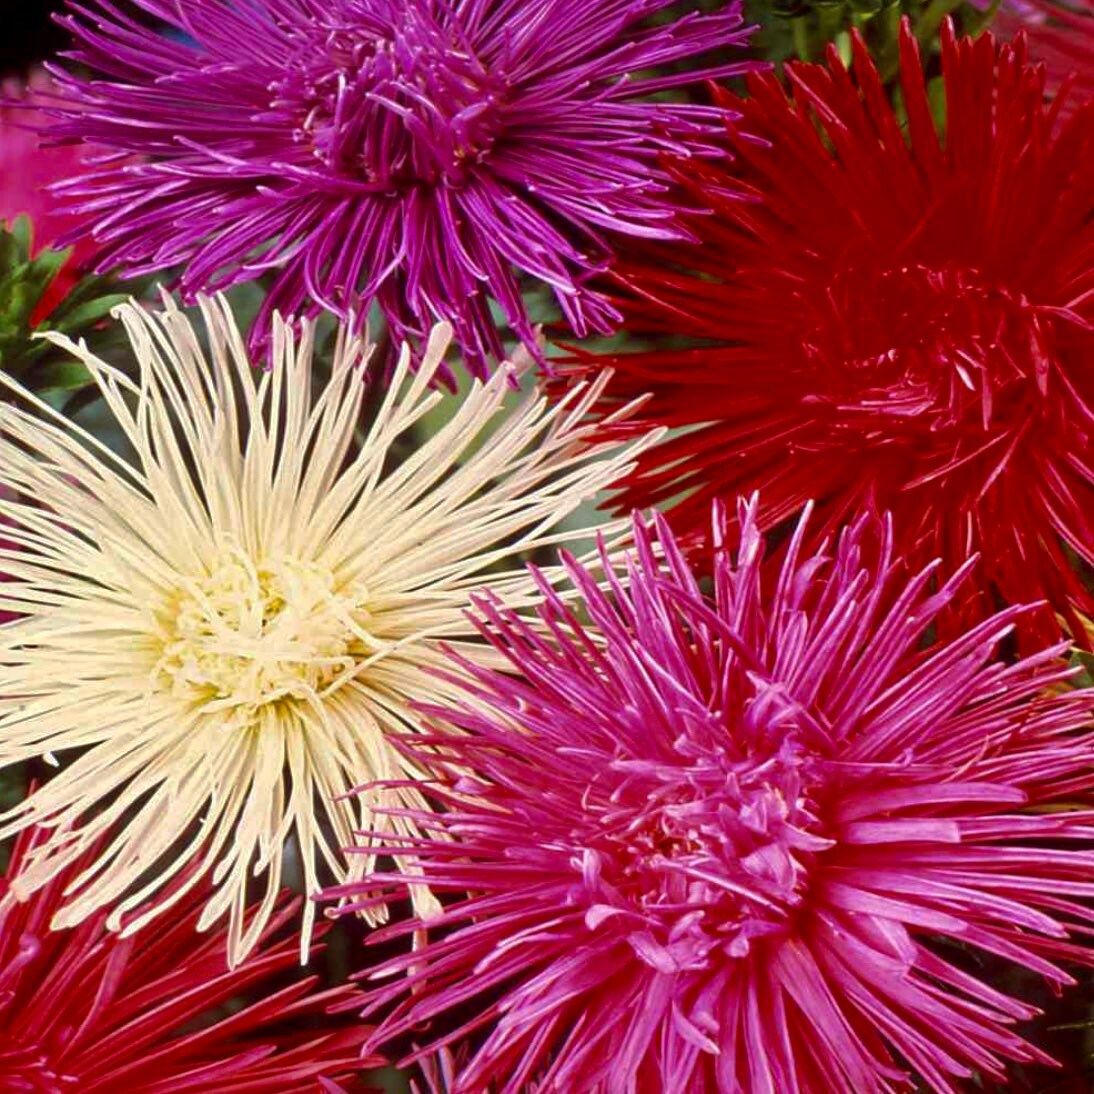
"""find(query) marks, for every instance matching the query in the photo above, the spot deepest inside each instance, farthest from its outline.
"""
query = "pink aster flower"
(85, 1010)
(735, 842)
(413, 154)
(27, 169)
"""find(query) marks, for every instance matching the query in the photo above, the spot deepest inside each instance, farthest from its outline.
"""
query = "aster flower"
(728, 843)
(414, 154)
(27, 169)
(82, 1010)
(218, 637)
(877, 315)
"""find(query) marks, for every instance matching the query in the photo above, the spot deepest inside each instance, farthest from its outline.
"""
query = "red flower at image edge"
(880, 316)
(27, 170)
(85, 1010)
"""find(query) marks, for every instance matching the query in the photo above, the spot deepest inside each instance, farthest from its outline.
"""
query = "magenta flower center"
(411, 105)
(702, 859)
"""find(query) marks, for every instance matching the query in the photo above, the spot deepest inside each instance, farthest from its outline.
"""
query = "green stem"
(799, 32)
(889, 61)
(831, 20)
(976, 24)
(931, 20)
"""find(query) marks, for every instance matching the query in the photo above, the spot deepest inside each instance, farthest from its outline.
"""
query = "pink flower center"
(707, 857)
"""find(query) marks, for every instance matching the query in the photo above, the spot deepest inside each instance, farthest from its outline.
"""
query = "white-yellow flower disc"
(218, 634)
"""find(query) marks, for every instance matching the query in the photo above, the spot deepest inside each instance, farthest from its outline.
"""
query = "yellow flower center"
(247, 634)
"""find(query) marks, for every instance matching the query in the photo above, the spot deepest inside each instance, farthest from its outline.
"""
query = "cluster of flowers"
(784, 785)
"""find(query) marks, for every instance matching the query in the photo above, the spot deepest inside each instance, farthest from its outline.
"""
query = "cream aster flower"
(219, 634)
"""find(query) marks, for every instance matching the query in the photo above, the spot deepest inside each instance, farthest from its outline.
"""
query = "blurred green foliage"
(803, 29)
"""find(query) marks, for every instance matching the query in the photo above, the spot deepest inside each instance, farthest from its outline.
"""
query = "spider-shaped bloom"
(216, 637)
(728, 842)
(418, 154)
(83, 1010)
(879, 315)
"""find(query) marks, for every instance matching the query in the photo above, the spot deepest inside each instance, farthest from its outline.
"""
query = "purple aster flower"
(413, 154)
(759, 840)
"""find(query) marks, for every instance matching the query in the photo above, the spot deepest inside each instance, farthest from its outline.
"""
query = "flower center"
(709, 856)
(245, 635)
(940, 347)
(394, 104)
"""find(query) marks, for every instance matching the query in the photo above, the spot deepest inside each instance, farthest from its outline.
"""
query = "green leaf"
(66, 375)
(21, 233)
(1085, 661)
(23, 281)
(87, 313)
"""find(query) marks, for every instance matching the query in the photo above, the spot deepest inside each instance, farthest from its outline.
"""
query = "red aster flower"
(90, 1011)
(747, 842)
(878, 315)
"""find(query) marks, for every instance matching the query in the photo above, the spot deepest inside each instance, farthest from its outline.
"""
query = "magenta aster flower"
(415, 154)
(735, 842)
(85, 1010)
